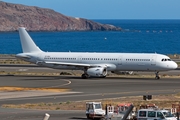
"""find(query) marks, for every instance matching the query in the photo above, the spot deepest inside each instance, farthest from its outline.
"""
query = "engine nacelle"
(97, 72)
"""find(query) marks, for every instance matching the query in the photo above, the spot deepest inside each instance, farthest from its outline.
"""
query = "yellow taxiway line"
(11, 89)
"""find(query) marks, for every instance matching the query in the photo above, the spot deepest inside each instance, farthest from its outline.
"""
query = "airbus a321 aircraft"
(93, 64)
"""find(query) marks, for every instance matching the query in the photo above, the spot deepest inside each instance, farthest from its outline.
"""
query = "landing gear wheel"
(157, 75)
(84, 76)
(103, 77)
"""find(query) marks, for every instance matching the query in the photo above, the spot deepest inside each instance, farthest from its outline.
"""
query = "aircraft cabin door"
(120, 60)
(153, 60)
(79, 59)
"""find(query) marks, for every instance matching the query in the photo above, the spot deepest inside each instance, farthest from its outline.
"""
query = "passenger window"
(151, 114)
(142, 114)
(159, 114)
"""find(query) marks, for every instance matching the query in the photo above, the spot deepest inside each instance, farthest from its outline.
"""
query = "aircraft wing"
(77, 64)
(69, 64)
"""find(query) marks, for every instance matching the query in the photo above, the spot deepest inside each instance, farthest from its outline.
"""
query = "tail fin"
(28, 45)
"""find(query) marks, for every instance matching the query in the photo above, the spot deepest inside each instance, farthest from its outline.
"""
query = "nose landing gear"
(157, 75)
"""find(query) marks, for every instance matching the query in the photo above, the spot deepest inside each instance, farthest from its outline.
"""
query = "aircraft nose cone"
(174, 65)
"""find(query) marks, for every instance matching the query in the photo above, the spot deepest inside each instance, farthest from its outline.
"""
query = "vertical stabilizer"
(28, 45)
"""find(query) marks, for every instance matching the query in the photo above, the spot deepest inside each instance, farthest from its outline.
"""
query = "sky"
(110, 9)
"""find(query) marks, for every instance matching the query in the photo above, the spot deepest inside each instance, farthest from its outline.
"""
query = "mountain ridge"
(13, 16)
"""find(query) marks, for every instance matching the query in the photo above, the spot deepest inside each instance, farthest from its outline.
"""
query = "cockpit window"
(166, 59)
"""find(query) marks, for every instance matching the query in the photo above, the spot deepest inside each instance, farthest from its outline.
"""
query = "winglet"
(28, 45)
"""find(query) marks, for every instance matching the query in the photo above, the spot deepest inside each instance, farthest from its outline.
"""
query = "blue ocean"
(138, 36)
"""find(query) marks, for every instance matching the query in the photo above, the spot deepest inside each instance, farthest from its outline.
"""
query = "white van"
(153, 114)
(94, 110)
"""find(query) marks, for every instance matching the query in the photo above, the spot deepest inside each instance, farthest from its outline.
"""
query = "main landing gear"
(157, 75)
(84, 76)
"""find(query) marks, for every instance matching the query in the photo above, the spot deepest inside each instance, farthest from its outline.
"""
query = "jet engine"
(97, 72)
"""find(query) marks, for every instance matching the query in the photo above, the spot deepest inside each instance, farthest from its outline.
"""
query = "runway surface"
(87, 89)
(80, 89)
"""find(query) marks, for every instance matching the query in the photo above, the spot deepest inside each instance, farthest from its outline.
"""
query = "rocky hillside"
(33, 18)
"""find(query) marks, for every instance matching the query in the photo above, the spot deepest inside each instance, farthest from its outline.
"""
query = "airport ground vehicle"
(122, 109)
(94, 110)
(148, 106)
(119, 112)
(154, 114)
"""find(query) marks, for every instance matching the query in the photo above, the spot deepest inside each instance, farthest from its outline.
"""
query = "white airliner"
(93, 64)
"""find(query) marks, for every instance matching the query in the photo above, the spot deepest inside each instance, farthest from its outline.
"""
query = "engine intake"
(97, 72)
